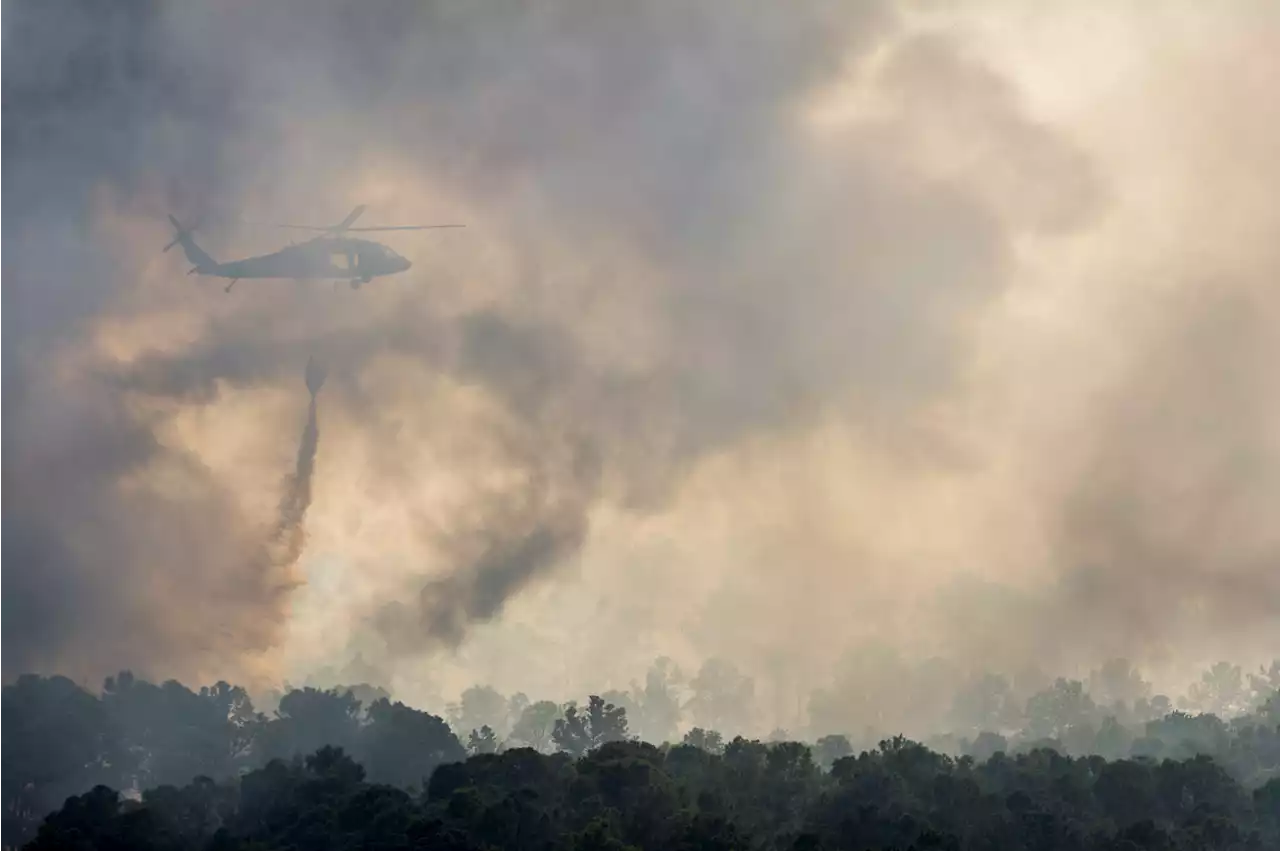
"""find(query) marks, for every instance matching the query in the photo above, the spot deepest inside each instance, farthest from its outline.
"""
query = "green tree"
(1118, 681)
(534, 727)
(516, 705)
(622, 700)
(480, 706)
(402, 745)
(578, 732)
(1220, 690)
(1113, 740)
(721, 697)
(985, 702)
(309, 719)
(830, 748)
(1265, 683)
(1184, 735)
(986, 745)
(481, 741)
(706, 740)
(179, 734)
(658, 710)
(1147, 710)
(1059, 710)
(59, 740)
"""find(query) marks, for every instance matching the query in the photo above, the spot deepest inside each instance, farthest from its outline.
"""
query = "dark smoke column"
(290, 534)
(316, 374)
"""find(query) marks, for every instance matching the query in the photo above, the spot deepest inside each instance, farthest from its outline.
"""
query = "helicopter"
(319, 258)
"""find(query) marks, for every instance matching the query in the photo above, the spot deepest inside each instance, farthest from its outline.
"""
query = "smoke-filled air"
(803, 343)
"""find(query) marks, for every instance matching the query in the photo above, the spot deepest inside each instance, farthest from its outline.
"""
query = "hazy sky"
(775, 328)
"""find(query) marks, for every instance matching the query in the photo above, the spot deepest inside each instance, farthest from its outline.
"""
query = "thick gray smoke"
(679, 297)
(290, 535)
(117, 545)
(1166, 523)
(641, 163)
(518, 537)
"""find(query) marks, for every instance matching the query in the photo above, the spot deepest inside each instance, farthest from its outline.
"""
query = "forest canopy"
(143, 766)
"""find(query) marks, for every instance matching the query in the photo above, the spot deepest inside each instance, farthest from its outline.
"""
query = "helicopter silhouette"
(319, 258)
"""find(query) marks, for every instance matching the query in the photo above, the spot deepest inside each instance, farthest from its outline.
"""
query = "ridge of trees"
(628, 794)
(138, 737)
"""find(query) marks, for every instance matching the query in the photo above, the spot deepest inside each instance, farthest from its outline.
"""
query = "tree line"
(633, 795)
(144, 739)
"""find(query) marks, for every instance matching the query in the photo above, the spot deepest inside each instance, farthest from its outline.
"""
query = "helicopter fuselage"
(332, 256)
(323, 258)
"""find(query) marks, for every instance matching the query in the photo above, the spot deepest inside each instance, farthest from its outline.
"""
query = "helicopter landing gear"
(355, 283)
(230, 285)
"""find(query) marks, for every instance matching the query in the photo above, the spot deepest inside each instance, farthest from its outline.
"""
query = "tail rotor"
(181, 232)
(203, 263)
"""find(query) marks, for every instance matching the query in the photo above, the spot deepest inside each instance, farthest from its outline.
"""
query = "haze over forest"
(827, 340)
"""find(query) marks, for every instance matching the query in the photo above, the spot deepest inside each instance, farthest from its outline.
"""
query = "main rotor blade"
(351, 217)
(407, 227)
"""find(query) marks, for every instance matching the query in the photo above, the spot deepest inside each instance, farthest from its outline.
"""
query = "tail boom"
(197, 256)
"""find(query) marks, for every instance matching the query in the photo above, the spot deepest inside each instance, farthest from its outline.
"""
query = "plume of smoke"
(290, 534)
(118, 543)
(869, 325)
(680, 303)
(1166, 518)
(519, 535)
